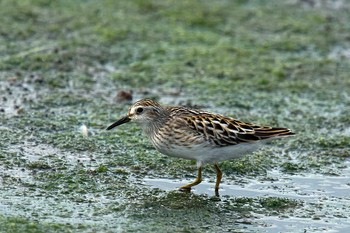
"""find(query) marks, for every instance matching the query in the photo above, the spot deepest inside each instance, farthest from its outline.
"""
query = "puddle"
(303, 187)
(326, 199)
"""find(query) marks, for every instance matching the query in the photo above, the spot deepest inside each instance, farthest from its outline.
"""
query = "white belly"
(206, 153)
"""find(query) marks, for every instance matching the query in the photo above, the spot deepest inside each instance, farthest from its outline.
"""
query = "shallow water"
(274, 67)
(329, 193)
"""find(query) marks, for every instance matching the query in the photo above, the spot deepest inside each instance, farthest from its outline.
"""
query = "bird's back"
(224, 131)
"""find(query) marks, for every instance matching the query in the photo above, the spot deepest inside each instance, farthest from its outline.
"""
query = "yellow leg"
(195, 182)
(218, 178)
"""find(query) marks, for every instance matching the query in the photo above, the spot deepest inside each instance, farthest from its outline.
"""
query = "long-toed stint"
(198, 135)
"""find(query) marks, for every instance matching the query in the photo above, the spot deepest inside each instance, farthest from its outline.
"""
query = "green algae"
(18, 224)
(63, 62)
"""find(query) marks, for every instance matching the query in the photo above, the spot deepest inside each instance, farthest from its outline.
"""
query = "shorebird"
(198, 135)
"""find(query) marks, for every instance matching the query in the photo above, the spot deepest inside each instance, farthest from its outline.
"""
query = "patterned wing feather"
(225, 131)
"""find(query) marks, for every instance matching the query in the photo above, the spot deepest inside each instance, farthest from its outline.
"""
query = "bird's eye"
(139, 110)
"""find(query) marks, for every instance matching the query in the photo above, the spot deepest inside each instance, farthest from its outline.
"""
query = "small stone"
(124, 96)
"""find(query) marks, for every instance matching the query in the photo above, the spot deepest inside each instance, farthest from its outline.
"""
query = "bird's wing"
(224, 131)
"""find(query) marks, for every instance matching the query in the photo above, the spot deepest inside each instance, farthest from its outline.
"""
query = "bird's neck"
(152, 127)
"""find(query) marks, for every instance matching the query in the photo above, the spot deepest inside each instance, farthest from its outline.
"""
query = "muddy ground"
(71, 66)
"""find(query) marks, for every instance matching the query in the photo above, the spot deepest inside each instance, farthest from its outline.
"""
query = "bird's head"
(146, 112)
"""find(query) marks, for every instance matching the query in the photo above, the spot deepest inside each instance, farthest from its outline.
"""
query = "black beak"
(119, 122)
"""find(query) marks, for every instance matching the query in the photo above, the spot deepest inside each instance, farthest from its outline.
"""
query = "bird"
(194, 134)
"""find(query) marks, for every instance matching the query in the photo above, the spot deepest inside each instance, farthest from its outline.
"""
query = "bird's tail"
(269, 132)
